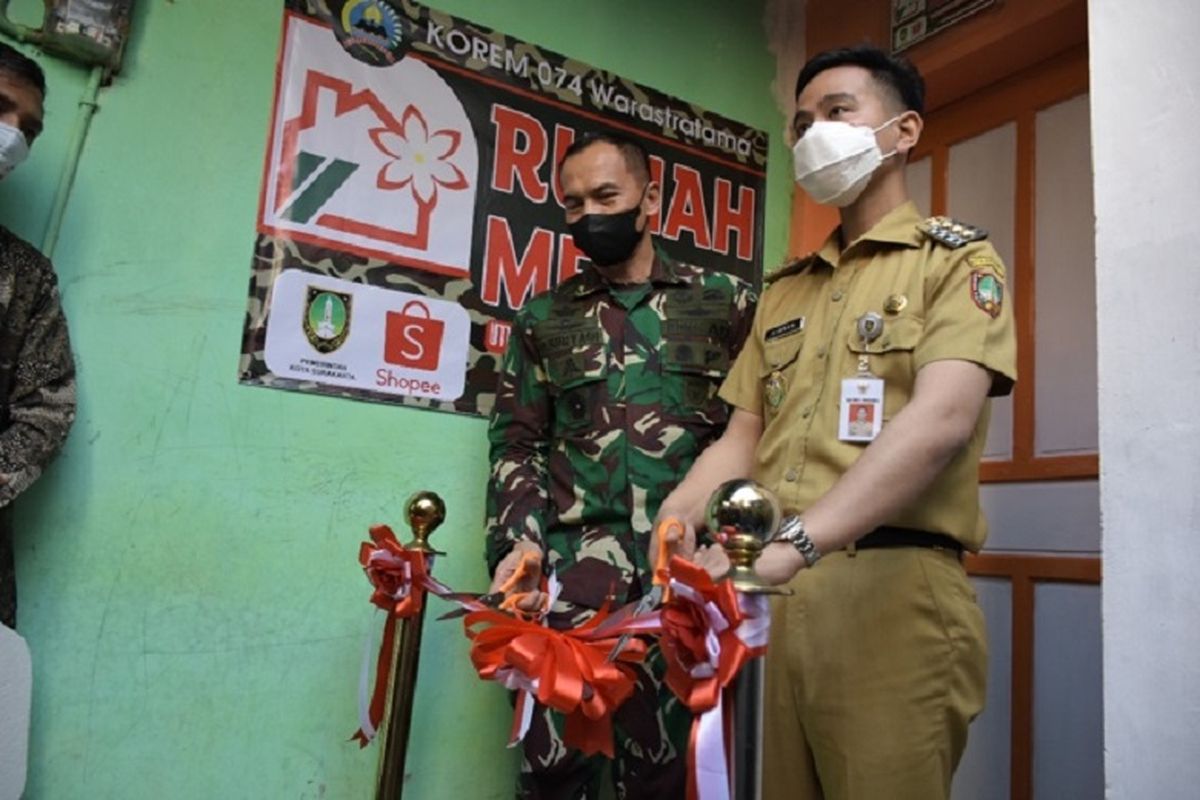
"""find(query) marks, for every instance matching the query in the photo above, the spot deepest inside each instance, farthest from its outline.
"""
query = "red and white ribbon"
(709, 632)
(401, 579)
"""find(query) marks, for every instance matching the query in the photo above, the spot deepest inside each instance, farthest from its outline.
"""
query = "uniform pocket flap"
(780, 354)
(696, 357)
(899, 333)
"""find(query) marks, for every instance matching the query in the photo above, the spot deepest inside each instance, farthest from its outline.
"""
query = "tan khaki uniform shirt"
(937, 301)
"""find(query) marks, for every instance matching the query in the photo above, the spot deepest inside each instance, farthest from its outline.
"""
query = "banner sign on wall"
(410, 200)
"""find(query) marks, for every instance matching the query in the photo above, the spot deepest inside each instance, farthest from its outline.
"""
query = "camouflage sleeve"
(519, 444)
(745, 301)
(41, 403)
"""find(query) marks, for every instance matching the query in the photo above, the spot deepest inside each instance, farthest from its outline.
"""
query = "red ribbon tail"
(383, 669)
(515, 735)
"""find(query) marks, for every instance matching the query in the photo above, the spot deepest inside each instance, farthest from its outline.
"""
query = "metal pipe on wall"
(88, 104)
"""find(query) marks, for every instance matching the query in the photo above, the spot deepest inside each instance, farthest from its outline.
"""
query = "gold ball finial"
(748, 514)
(425, 511)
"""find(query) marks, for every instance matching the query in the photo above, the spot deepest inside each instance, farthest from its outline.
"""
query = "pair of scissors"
(660, 592)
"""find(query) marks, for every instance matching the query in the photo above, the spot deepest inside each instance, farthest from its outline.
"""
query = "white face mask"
(834, 161)
(13, 148)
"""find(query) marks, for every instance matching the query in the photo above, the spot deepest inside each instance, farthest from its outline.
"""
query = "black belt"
(888, 536)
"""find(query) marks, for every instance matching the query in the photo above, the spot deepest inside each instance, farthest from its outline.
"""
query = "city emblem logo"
(326, 319)
(371, 31)
(988, 292)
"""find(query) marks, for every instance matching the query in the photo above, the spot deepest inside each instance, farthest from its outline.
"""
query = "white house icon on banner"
(377, 162)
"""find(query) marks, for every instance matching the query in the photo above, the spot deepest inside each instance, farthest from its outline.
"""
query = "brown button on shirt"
(937, 302)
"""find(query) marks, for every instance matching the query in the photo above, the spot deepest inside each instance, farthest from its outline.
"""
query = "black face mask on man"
(608, 239)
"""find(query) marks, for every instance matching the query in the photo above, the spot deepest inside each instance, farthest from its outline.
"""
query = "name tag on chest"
(792, 326)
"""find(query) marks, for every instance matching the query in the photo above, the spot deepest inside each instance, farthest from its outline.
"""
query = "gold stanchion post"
(748, 514)
(425, 511)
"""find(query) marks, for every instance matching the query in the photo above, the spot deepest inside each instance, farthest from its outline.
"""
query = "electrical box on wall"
(89, 31)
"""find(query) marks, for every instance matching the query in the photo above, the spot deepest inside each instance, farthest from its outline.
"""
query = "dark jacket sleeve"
(41, 401)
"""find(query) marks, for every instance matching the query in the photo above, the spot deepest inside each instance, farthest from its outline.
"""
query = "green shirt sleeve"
(518, 498)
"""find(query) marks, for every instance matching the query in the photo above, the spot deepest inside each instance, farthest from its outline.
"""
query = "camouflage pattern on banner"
(410, 201)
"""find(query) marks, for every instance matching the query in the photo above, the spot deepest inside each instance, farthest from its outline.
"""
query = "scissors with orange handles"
(531, 564)
(670, 530)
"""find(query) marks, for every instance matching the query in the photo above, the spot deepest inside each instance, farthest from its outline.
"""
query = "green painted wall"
(187, 568)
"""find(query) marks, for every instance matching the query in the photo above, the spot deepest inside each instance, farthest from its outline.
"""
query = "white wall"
(1145, 121)
(16, 682)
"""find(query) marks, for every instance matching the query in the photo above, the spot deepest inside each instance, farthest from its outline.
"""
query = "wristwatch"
(791, 530)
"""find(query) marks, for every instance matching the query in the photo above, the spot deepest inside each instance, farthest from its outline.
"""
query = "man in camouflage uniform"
(37, 375)
(607, 394)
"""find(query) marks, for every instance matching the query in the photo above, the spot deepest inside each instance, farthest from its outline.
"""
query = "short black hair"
(895, 73)
(18, 65)
(636, 157)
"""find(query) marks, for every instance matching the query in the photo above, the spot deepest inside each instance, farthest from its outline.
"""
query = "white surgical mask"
(13, 148)
(834, 161)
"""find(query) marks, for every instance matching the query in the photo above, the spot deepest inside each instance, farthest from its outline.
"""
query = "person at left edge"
(37, 374)
(607, 394)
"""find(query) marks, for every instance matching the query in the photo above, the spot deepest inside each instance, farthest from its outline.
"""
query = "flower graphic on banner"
(420, 159)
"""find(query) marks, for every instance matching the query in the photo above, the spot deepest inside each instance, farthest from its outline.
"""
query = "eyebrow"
(828, 100)
(607, 186)
(838, 97)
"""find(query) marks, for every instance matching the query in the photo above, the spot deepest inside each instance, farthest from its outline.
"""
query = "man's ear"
(908, 132)
(652, 202)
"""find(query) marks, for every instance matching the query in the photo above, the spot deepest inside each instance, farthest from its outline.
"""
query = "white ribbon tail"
(712, 769)
(526, 689)
(523, 717)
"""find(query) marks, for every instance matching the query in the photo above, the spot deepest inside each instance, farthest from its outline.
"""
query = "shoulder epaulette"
(951, 232)
(792, 267)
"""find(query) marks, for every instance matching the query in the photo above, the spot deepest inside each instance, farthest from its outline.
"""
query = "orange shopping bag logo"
(413, 340)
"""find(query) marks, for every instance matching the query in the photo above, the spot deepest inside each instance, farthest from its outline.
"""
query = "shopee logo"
(413, 338)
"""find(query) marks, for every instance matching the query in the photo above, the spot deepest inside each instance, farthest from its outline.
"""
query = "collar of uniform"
(898, 226)
(664, 270)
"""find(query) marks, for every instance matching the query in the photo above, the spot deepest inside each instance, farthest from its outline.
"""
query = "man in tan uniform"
(877, 662)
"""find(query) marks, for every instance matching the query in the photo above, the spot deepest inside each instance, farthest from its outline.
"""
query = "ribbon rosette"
(400, 576)
(709, 632)
(567, 670)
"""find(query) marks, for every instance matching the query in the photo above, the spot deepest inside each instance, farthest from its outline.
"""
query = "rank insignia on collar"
(951, 232)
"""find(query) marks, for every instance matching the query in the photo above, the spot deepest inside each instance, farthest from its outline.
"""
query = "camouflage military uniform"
(606, 396)
(37, 387)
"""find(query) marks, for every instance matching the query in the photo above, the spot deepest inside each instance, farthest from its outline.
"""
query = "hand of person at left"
(713, 560)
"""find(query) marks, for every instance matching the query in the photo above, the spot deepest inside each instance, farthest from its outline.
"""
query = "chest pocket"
(891, 357)
(778, 372)
(575, 358)
(695, 358)
(692, 372)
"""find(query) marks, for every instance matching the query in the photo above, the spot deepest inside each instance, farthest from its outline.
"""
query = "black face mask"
(608, 239)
